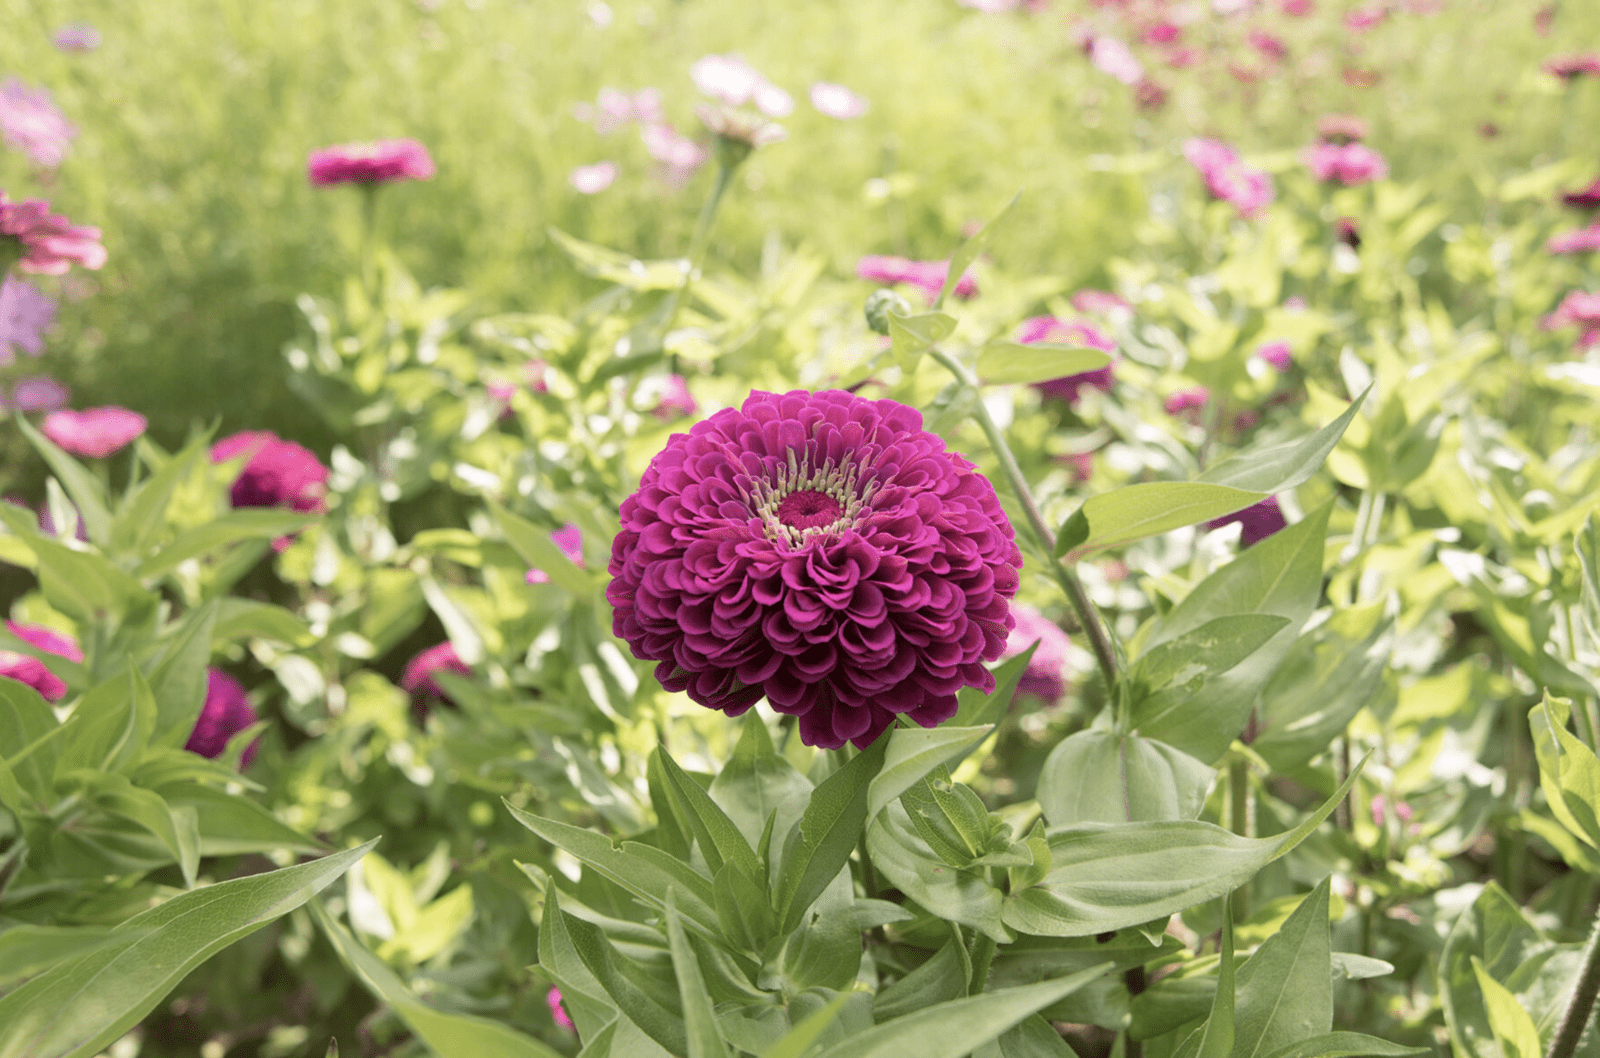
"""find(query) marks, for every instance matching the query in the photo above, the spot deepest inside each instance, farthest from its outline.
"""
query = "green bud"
(882, 302)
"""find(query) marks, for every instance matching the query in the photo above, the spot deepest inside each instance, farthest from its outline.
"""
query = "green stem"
(1581, 1006)
(11, 862)
(869, 874)
(983, 947)
(699, 242)
(1088, 616)
(369, 242)
(1239, 823)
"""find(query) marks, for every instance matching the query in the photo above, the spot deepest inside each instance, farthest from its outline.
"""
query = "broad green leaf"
(81, 584)
(743, 909)
(74, 1009)
(1277, 467)
(246, 523)
(1149, 508)
(1348, 1045)
(26, 720)
(1568, 769)
(1101, 777)
(1105, 877)
(719, 839)
(757, 784)
(1285, 992)
(447, 1035)
(113, 723)
(435, 927)
(27, 949)
(913, 753)
(248, 619)
(950, 817)
(799, 1040)
(970, 250)
(1325, 680)
(1217, 1038)
(85, 489)
(1496, 934)
(1006, 362)
(830, 827)
(661, 1024)
(1165, 684)
(536, 548)
(940, 979)
(233, 824)
(142, 515)
(955, 1029)
(1513, 1027)
(700, 1021)
(1034, 1037)
(179, 681)
(177, 829)
(902, 856)
(914, 335)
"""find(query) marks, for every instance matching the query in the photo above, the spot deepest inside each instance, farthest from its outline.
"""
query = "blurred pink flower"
(730, 80)
(1347, 231)
(837, 101)
(50, 243)
(1347, 163)
(1363, 19)
(1259, 521)
(1571, 67)
(1069, 332)
(30, 123)
(613, 109)
(25, 668)
(1277, 354)
(1149, 95)
(676, 400)
(1162, 32)
(1082, 464)
(569, 538)
(1110, 56)
(1045, 676)
(93, 432)
(1543, 19)
(1267, 44)
(277, 473)
(678, 155)
(226, 712)
(1181, 58)
(1578, 309)
(1187, 400)
(48, 640)
(1580, 240)
(77, 37)
(369, 163)
(418, 676)
(552, 999)
(1099, 302)
(25, 314)
(1356, 77)
(1583, 198)
(1298, 8)
(739, 126)
(1249, 189)
(1341, 127)
(929, 276)
(593, 179)
(39, 393)
(534, 370)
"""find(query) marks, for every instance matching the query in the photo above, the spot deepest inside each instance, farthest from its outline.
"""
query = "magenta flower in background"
(1363, 19)
(1347, 231)
(929, 276)
(678, 154)
(820, 550)
(1258, 522)
(1570, 67)
(1298, 8)
(1162, 32)
(1069, 332)
(227, 711)
(1277, 354)
(1100, 303)
(552, 999)
(837, 101)
(48, 640)
(1267, 44)
(278, 473)
(1045, 676)
(676, 400)
(1578, 309)
(1082, 464)
(30, 123)
(1249, 189)
(1187, 400)
(593, 179)
(569, 538)
(1583, 198)
(1581, 240)
(1182, 58)
(25, 314)
(1342, 128)
(77, 37)
(50, 243)
(379, 162)
(93, 432)
(1348, 163)
(39, 393)
(418, 676)
(25, 668)
(1112, 57)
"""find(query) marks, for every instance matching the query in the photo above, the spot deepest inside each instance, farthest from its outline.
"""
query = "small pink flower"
(1544, 19)
(418, 676)
(593, 179)
(837, 101)
(78, 37)
(25, 668)
(569, 538)
(1069, 332)
(557, 1011)
(730, 80)
(1347, 231)
(1110, 56)
(1341, 128)
(277, 473)
(39, 393)
(1258, 522)
(1045, 676)
(1298, 8)
(1187, 400)
(227, 711)
(1277, 354)
(535, 370)
(1570, 67)
(48, 640)
(679, 155)
(1100, 303)
(1378, 803)
(50, 243)
(1583, 198)
(369, 163)
(1581, 240)
(30, 123)
(1267, 44)
(929, 276)
(614, 109)
(1162, 32)
(1183, 58)
(94, 432)
(1347, 163)
(25, 314)
(1249, 189)
(1363, 19)
(676, 400)
(1082, 464)
(1578, 309)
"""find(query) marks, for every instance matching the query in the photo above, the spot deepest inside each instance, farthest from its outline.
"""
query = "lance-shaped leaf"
(1006, 361)
(1217, 1037)
(1513, 1027)
(1348, 1045)
(913, 753)
(719, 839)
(700, 1021)
(249, 523)
(85, 489)
(1286, 988)
(968, 251)
(1587, 546)
(1568, 769)
(536, 548)
(1102, 777)
(829, 829)
(1283, 465)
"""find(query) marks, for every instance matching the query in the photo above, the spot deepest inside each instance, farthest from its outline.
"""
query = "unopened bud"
(882, 302)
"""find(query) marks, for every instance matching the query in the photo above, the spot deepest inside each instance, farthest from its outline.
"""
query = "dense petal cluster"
(227, 711)
(927, 276)
(1045, 675)
(1249, 189)
(822, 551)
(1070, 332)
(93, 432)
(1347, 163)
(369, 163)
(278, 473)
(30, 123)
(25, 314)
(50, 243)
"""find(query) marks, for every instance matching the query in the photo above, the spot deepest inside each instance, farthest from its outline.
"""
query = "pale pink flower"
(742, 127)
(48, 640)
(1341, 127)
(369, 163)
(1298, 8)
(730, 80)
(676, 400)
(557, 1011)
(1277, 354)
(1100, 303)
(38, 393)
(593, 179)
(569, 538)
(30, 123)
(837, 101)
(773, 101)
(94, 432)
(77, 37)
(1187, 400)
(678, 154)
(1580, 240)
(25, 314)
(50, 243)
(614, 108)
(1110, 56)
(929, 276)
(1347, 163)
(1363, 19)
(1249, 189)
(1045, 676)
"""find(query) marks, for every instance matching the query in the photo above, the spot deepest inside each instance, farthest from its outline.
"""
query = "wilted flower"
(823, 551)
(25, 314)
(25, 668)
(1584, 198)
(1348, 163)
(369, 163)
(50, 243)
(1187, 400)
(837, 101)
(227, 712)
(30, 123)
(552, 999)
(1258, 521)
(569, 538)
(78, 37)
(48, 640)
(1341, 128)
(1249, 189)
(93, 432)
(1069, 332)
(593, 179)
(1581, 240)
(418, 676)
(1578, 309)
(1045, 675)
(278, 473)
(927, 275)
(39, 393)
(1363, 19)
(1277, 354)
(1571, 67)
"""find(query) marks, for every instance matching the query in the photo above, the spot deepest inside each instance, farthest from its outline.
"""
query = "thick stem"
(1581, 1006)
(1088, 616)
(1239, 823)
(982, 958)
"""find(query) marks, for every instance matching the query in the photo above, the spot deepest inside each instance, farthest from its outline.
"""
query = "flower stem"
(1239, 823)
(982, 958)
(369, 241)
(1581, 1006)
(1088, 616)
(699, 242)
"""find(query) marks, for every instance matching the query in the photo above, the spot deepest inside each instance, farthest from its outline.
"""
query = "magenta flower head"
(49, 243)
(1249, 189)
(1583, 198)
(1578, 309)
(227, 712)
(928, 276)
(820, 550)
(1187, 400)
(93, 432)
(1045, 674)
(1571, 67)
(552, 999)
(48, 640)
(418, 677)
(369, 163)
(1258, 522)
(569, 538)
(1278, 354)
(1070, 332)
(1342, 128)
(30, 123)
(25, 314)
(1580, 240)
(278, 473)
(1348, 163)
(25, 668)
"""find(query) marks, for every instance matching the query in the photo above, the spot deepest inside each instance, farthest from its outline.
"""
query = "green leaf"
(941, 979)
(1165, 683)
(1004, 362)
(248, 619)
(743, 909)
(233, 824)
(970, 250)
(1513, 1027)
(142, 515)
(662, 1025)
(179, 682)
(246, 523)
(830, 827)
(1277, 467)
(1326, 679)
(955, 1029)
(903, 857)
(1348, 1045)
(622, 269)
(1496, 934)
(81, 584)
(27, 949)
(913, 753)
(1568, 769)
(950, 817)
(177, 829)
(914, 335)
(447, 1035)
(85, 489)
(699, 1020)
(1587, 547)
(26, 723)
(1134, 512)
(76, 1008)
(1105, 877)
(113, 723)
(719, 839)
(799, 1039)
(540, 552)
(977, 709)
(1286, 987)
(757, 784)
(1216, 1039)
(1102, 777)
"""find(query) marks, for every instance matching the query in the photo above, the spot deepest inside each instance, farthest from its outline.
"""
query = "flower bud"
(880, 304)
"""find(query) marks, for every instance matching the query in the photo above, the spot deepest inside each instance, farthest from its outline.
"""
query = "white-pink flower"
(1110, 56)
(837, 101)
(93, 432)
(593, 179)
(680, 155)
(730, 80)
(30, 122)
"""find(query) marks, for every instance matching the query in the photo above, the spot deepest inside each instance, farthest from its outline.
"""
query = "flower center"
(808, 509)
(798, 501)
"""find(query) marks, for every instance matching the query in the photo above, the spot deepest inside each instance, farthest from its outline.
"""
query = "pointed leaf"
(246, 523)
(1013, 362)
(1348, 1045)
(1513, 1028)
(1217, 1038)
(800, 1039)
(719, 839)
(1568, 770)
(1276, 467)
(85, 489)
(970, 250)
(535, 547)
(1286, 988)
(913, 753)
(756, 784)
(1133, 512)
(700, 1021)
(829, 830)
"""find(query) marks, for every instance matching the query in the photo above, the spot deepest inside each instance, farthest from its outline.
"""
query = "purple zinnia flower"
(821, 550)
(226, 713)
(1044, 675)
(418, 677)
(25, 314)
(30, 123)
(93, 432)
(369, 163)
(928, 276)
(278, 473)
(77, 37)
(1069, 332)
(569, 538)
(1259, 521)
(50, 243)
(38, 393)
(1228, 178)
